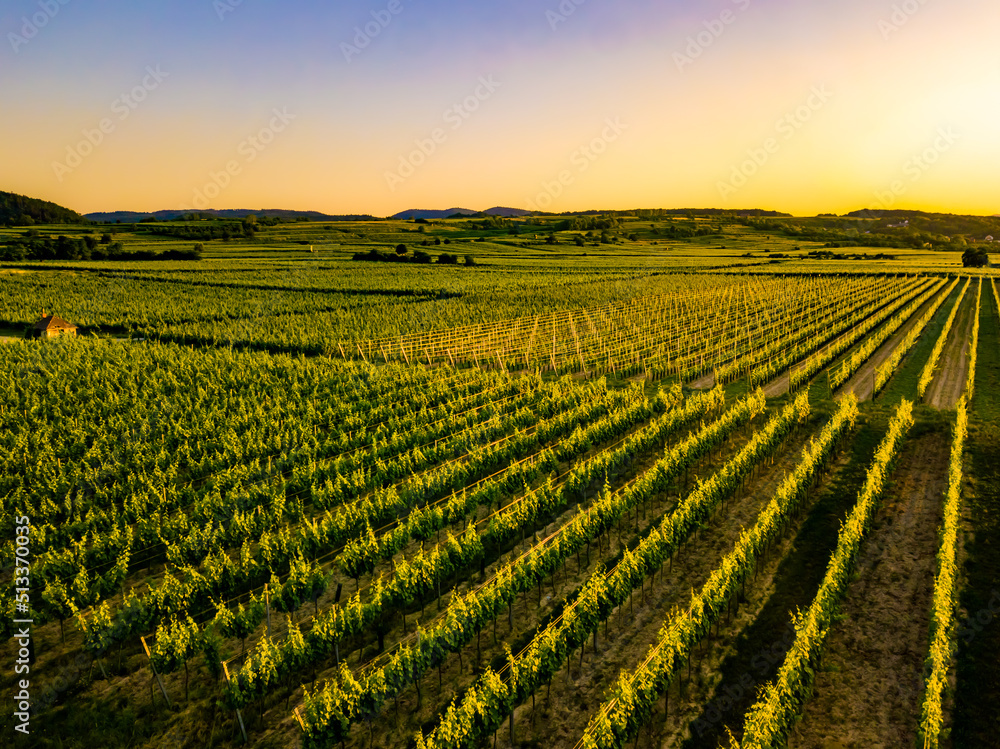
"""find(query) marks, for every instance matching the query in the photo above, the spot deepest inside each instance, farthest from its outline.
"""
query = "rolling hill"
(132, 217)
(20, 210)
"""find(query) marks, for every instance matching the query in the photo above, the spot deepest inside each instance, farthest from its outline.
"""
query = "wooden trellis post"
(153, 668)
(239, 715)
(267, 607)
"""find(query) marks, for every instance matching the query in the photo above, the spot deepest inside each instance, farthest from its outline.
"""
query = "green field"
(520, 500)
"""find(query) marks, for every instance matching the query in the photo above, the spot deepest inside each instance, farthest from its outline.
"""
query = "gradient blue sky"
(797, 106)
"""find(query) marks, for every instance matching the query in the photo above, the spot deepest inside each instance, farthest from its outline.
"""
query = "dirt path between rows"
(976, 721)
(398, 721)
(868, 691)
(705, 382)
(560, 720)
(953, 368)
(862, 383)
(780, 384)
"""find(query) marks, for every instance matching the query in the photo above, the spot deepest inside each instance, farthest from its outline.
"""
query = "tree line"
(35, 246)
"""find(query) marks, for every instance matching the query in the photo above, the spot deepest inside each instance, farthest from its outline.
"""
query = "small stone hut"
(51, 326)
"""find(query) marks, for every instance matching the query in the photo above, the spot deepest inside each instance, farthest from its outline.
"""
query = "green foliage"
(19, 210)
(851, 365)
(885, 370)
(770, 719)
(975, 257)
(943, 609)
(87, 247)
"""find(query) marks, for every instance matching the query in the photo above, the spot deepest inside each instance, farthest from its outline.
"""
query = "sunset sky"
(375, 107)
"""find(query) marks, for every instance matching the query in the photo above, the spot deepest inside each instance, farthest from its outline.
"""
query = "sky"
(359, 107)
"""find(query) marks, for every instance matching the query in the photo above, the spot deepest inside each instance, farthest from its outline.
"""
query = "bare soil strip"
(863, 381)
(953, 368)
(560, 720)
(977, 691)
(781, 383)
(130, 681)
(705, 382)
(750, 651)
(396, 726)
(868, 692)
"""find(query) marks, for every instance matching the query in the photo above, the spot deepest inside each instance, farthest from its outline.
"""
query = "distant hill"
(661, 212)
(507, 212)
(132, 217)
(948, 224)
(502, 211)
(413, 213)
(745, 212)
(21, 210)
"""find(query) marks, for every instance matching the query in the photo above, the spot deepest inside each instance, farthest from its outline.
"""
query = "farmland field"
(650, 492)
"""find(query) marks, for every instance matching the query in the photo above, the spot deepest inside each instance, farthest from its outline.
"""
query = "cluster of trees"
(581, 240)
(600, 226)
(402, 255)
(975, 257)
(589, 223)
(437, 241)
(263, 220)
(939, 231)
(34, 246)
(19, 210)
(945, 224)
(224, 230)
(684, 231)
(847, 237)
(827, 255)
(492, 223)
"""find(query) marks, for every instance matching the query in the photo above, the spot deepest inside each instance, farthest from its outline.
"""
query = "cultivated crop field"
(652, 492)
